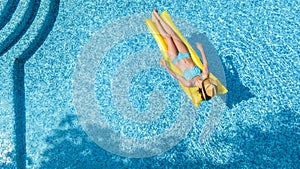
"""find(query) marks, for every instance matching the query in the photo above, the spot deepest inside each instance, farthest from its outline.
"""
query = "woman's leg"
(172, 49)
(178, 43)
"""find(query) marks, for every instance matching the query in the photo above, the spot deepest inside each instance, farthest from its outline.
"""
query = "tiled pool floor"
(256, 42)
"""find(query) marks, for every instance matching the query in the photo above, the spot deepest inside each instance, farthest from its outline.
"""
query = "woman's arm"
(184, 82)
(205, 71)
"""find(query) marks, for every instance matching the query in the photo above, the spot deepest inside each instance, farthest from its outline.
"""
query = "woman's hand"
(199, 46)
(163, 63)
(205, 71)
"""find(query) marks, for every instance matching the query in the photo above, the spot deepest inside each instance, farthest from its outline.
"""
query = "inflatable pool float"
(192, 92)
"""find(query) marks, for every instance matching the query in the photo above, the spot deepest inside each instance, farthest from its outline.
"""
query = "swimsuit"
(180, 56)
(191, 73)
(187, 73)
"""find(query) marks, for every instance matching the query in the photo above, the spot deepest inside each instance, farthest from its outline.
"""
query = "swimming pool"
(256, 43)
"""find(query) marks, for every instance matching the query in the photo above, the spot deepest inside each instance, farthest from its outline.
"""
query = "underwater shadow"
(237, 92)
(229, 77)
(70, 147)
(277, 148)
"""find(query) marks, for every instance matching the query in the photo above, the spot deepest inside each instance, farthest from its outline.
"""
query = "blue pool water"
(87, 90)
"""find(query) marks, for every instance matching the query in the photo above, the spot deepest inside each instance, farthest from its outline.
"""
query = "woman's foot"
(157, 22)
(154, 19)
(156, 15)
(165, 26)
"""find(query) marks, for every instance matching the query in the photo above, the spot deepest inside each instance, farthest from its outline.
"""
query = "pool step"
(21, 28)
(15, 18)
(20, 37)
(7, 11)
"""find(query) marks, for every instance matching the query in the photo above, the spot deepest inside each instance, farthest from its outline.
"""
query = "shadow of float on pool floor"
(237, 92)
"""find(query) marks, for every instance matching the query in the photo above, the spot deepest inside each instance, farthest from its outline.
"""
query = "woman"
(180, 57)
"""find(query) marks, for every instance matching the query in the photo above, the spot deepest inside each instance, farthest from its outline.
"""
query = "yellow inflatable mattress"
(192, 92)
